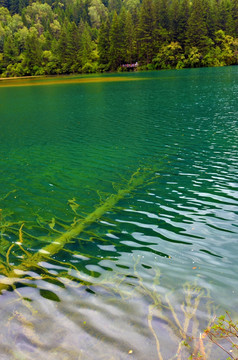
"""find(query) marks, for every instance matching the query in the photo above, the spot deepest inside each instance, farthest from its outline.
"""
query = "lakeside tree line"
(74, 36)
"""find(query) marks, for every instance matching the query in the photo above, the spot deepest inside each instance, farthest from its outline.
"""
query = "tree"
(97, 12)
(131, 5)
(5, 4)
(162, 14)
(130, 40)
(5, 16)
(174, 19)
(226, 21)
(39, 13)
(228, 47)
(122, 37)
(10, 50)
(114, 51)
(32, 53)
(86, 45)
(72, 47)
(104, 43)
(21, 36)
(169, 57)
(61, 50)
(64, 36)
(114, 5)
(184, 12)
(2, 37)
(146, 35)
(197, 33)
(234, 11)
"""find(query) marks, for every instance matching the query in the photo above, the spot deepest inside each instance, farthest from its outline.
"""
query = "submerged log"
(32, 260)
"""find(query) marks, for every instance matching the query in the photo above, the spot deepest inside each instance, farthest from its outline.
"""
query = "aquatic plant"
(163, 314)
(224, 334)
(184, 331)
(181, 325)
(29, 260)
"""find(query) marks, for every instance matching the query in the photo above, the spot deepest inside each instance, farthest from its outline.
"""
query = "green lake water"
(119, 289)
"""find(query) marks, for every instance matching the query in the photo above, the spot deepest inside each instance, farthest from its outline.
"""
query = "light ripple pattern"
(64, 149)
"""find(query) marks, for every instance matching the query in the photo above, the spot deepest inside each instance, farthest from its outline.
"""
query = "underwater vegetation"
(58, 242)
(224, 334)
(188, 336)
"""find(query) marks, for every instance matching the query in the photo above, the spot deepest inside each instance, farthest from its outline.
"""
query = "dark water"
(117, 290)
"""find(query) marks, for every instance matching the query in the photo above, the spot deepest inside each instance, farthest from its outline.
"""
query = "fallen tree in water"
(30, 261)
(181, 323)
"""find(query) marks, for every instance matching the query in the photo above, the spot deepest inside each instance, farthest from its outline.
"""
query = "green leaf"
(47, 294)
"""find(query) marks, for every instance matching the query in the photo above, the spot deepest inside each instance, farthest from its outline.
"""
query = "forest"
(86, 36)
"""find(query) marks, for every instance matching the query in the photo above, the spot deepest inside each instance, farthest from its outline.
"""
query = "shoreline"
(30, 77)
(22, 77)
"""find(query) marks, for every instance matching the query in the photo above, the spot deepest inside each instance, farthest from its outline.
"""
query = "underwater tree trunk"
(31, 261)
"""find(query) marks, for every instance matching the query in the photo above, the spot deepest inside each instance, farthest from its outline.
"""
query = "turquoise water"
(66, 142)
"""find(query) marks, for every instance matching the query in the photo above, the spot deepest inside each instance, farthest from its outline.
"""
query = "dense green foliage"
(76, 36)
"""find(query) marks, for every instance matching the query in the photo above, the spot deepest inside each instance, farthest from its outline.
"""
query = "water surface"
(66, 146)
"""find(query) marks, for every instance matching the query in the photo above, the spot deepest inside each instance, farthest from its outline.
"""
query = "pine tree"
(114, 5)
(115, 51)
(184, 11)
(103, 29)
(32, 53)
(162, 14)
(10, 50)
(130, 40)
(209, 17)
(197, 32)
(85, 45)
(235, 17)
(121, 35)
(62, 52)
(14, 6)
(174, 20)
(72, 47)
(146, 36)
(104, 43)
(226, 17)
(22, 4)
(5, 3)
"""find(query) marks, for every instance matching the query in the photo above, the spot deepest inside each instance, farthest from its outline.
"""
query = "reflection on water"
(153, 259)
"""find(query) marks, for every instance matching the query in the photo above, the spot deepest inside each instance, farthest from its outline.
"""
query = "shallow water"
(66, 146)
